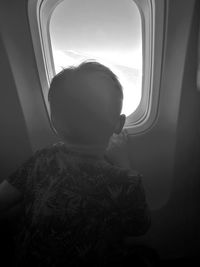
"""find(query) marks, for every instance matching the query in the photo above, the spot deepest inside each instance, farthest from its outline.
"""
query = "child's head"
(85, 103)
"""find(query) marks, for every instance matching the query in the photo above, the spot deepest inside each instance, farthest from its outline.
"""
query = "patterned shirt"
(77, 209)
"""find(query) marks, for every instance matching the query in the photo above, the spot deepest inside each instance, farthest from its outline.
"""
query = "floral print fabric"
(76, 209)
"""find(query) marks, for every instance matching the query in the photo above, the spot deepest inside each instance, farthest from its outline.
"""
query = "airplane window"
(107, 31)
(124, 35)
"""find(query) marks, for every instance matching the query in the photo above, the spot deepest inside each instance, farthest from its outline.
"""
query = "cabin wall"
(184, 204)
(14, 140)
(167, 154)
(185, 197)
(171, 149)
(25, 124)
(153, 152)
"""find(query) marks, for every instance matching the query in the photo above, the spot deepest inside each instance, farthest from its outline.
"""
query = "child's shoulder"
(123, 175)
(49, 150)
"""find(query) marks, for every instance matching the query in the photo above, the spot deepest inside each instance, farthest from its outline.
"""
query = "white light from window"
(109, 32)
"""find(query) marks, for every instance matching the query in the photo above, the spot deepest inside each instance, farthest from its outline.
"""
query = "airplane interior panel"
(163, 130)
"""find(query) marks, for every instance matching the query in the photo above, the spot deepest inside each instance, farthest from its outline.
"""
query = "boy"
(77, 206)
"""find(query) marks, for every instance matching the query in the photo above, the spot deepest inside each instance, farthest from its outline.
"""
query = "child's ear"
(120, 124)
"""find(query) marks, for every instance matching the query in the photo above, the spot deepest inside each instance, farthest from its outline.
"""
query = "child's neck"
(88, 150)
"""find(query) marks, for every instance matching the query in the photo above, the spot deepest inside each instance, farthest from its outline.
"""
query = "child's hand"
(117, 150)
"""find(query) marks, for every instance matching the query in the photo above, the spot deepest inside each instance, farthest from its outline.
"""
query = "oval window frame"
(152, 16)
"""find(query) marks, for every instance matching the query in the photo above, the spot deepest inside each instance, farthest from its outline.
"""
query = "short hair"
(68, 79)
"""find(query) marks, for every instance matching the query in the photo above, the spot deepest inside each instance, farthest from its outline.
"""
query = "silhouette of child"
(77, 206)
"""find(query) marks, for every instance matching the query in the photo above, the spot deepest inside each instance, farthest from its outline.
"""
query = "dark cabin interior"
(167, 154)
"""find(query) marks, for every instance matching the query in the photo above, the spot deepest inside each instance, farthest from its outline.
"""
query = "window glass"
(107, 31)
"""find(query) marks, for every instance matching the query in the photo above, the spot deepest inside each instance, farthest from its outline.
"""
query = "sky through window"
(107, 31)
